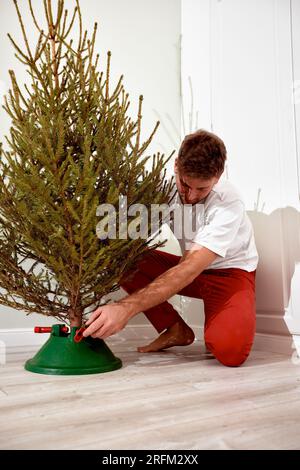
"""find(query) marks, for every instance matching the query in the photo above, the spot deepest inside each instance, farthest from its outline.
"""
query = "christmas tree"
(71, 147)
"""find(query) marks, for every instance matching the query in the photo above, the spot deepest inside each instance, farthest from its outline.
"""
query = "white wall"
(243, 57)
(144, 37)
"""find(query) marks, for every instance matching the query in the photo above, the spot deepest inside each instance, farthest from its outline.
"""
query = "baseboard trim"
(274, 343)
(21, 339)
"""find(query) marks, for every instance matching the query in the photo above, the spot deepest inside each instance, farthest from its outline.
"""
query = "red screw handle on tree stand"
(78, 336)
(47, 329)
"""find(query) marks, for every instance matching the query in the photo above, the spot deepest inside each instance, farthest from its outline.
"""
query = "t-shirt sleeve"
(220, 228)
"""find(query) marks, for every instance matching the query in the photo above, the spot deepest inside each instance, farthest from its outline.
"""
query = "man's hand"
(107, 320)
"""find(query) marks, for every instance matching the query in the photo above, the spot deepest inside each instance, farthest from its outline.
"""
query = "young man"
(218, 264)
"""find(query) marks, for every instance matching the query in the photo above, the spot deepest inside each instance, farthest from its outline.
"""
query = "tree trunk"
(75, 317)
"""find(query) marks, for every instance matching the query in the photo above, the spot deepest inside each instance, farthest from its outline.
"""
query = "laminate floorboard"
(181, 398)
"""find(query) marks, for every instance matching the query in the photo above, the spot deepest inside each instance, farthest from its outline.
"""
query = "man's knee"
(128, 277)
(230, 355)
(128, 280)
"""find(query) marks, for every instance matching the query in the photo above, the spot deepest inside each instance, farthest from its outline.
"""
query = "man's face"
(191, 189)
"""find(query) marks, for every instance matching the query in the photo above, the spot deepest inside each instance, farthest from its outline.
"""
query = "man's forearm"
(109, 319)
(161, 289)
(169, 283)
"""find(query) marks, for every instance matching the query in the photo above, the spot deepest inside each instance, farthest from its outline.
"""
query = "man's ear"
(218, 176)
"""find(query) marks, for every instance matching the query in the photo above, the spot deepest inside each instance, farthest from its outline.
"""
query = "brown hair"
(202, 154)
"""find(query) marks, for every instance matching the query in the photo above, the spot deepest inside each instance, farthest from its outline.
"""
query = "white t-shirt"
(219, 223)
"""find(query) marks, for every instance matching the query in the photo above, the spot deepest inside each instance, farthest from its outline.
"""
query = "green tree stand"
(61, 355)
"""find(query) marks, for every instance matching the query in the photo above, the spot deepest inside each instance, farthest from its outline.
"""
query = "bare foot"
(179, 334)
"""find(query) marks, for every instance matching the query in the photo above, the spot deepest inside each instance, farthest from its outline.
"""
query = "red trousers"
(229, 304)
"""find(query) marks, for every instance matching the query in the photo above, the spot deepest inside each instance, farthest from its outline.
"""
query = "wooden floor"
(178, 399)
